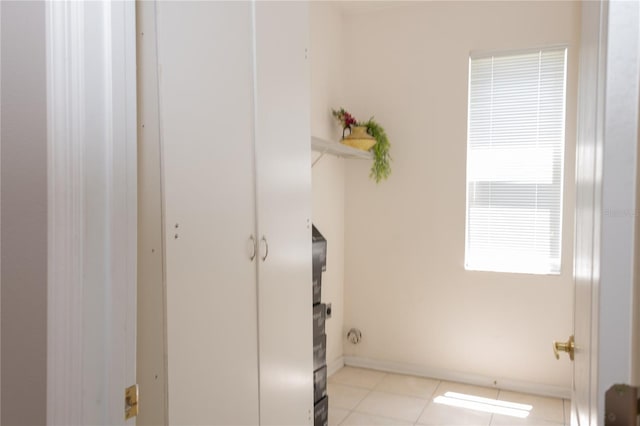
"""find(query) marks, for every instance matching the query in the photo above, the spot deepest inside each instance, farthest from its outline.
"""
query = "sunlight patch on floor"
(486, 405)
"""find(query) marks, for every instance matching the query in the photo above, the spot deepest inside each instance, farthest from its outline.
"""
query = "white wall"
(405, 283)
(329, 173)
(24, 214)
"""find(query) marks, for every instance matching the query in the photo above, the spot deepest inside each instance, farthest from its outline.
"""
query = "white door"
(588, 204)
(206, 111)
(284, 212)
(606, 189)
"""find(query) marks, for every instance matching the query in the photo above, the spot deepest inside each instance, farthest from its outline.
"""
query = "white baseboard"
(335, 365)
(454, 376)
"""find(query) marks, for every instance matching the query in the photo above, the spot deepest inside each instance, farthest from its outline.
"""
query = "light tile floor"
(359, 396)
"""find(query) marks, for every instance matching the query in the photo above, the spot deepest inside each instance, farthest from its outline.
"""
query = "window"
(515, 151)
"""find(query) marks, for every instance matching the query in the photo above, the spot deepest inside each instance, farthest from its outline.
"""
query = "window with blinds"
(515, 153)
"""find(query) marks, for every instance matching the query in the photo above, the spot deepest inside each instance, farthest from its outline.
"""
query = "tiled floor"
(366, 397)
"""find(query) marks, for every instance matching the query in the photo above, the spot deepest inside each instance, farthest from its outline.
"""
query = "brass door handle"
(568, 346)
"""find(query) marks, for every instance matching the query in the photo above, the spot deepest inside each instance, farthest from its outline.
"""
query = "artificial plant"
(381, 167)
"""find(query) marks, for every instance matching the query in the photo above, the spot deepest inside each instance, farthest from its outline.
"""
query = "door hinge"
(621, 405)
(131, 402)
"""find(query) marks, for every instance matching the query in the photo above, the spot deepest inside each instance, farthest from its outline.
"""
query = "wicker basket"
(359, 139)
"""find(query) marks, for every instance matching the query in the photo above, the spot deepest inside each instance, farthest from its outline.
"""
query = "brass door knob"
(568, 346)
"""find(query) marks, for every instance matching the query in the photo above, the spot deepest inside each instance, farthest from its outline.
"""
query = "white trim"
(0, 213)
(334, 366)
(456, 376)
(122, 218)
(621, 116)
(65, 247)
(479, 54)
(92, 215)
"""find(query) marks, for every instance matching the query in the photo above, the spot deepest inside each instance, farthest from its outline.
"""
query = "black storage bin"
(317, 283)
(319, 264)
(321, 412)
(319, 249)
(319, 384)
(319, 314)
(319, 351)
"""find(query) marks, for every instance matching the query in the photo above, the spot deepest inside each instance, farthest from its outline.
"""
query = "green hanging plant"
(381, 167)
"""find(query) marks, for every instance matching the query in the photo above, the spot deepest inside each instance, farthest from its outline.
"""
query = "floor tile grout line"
(369, 390)
(492, 414)
(373, 389)
(429, 400)
(413, 396)
(426, 404)
(376, 415)
(362, 399)
(375, 383)
(381, 417)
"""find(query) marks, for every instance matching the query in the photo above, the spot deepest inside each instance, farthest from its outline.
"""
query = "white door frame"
(621, 113)
(606, 203)
(92, 218)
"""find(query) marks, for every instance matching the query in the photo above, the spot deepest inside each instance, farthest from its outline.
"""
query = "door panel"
(284, 208)
(206, 110)
(588, 203)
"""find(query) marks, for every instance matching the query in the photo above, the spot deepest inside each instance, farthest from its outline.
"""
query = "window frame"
(555, 265)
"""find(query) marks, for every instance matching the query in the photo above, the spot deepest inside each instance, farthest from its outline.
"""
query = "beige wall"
(24, 214)
(405, 283)
(328, 173)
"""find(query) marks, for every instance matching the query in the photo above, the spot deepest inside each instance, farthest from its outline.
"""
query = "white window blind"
(515, 153)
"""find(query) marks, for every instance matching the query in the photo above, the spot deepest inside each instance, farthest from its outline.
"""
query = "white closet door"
(206, 111)
(284, 209)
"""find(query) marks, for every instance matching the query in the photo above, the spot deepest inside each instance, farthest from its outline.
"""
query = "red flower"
(348, 120)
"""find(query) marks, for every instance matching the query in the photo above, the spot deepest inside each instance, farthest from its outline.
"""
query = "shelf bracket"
(318, 158)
